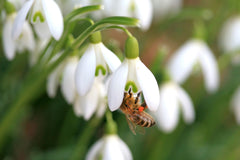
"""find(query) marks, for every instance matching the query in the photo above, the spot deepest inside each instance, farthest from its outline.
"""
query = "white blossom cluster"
(98, 78)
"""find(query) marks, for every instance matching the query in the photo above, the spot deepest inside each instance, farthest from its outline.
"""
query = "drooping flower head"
(184, 60)
(108, 148)
(46, 14)
(97, 60)
(25, 41)
(133, 73)
(173, 99)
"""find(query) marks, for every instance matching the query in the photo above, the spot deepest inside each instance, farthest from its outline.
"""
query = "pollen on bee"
(141, 109)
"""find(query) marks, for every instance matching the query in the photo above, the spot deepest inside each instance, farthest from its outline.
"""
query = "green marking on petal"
(131, 84)
(39, 15)
(98, 68)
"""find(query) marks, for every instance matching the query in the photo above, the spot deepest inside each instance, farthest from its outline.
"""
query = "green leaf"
(82, 10)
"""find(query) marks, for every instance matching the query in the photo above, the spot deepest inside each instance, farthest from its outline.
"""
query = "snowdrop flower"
(173, 99)
(94, 101)
(110, 147)
(96, 60)
(229, 39)
(47, 12)
(183, 61)
(141, 9)
(25, 41)
(235, 104)
(133, 73)
(163, 8)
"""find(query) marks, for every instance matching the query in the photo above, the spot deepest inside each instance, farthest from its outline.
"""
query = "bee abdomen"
(144, 121)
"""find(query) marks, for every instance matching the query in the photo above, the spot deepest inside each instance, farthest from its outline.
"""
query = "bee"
(134, 112)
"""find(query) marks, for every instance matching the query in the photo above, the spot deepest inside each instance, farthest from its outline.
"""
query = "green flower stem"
(111, 125)
(84, 139)
(121, 28)
(82, 10)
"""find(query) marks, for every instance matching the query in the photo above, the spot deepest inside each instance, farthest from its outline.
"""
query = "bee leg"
(138, 95)
(130, 92)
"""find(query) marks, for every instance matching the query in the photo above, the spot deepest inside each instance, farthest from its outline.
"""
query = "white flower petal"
(111, 59)
(112, 149)
(186, 104)
(42, 30)
(168, 110)
(68, 81)
(144, 12)
(181, 64)
(20, 19)
(85, 72)
(8, 42)
(27, 38)
(91, 102)
(54, 18)
(148, 85)
(163, 8)
(229, 36)
(117, 86)
(116, 8)
(210, 69)
(77, 107)
(235, 102)
(53, 81)
(95, 150)
(125, 150)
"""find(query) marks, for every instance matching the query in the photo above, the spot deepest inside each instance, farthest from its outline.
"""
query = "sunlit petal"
(20, 19)
(85, 72)
(117, 86)
(54, 18)
(148, 85)
(111, 59)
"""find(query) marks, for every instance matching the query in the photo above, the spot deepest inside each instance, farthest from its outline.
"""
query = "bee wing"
(131, 125)
(135, 128)
(140, 129)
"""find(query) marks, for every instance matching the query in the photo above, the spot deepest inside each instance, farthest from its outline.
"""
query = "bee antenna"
(129, 92)
(138, 95)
